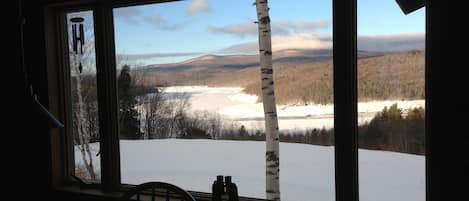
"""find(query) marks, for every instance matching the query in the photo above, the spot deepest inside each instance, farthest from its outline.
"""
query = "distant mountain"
(301, 76)
(208, 62)
(220, 62)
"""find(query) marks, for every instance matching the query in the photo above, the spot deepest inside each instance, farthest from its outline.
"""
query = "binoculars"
(224, 190)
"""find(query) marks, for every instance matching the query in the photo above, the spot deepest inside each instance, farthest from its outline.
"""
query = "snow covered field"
(234, 104)
(306, 171)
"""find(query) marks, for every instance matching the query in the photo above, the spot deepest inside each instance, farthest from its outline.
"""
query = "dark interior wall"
(25, 156)
(447, 142)
(25, 147)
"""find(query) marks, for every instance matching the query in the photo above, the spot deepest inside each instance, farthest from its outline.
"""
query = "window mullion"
(345, 99)
(69, 156)
(107, 93)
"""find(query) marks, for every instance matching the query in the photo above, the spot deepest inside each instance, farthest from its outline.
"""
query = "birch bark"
(268, 100)
(80, 118)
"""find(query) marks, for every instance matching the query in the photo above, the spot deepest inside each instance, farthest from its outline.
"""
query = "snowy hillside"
(306, 171)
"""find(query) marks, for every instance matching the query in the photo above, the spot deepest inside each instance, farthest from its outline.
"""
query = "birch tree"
(80, 116)
(268, 99)
(81, 65)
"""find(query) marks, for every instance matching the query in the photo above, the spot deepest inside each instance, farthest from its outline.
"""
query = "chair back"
(157, 191)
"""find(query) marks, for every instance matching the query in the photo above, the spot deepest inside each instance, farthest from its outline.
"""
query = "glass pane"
(189, 89)
(391, 94)
(84, 95)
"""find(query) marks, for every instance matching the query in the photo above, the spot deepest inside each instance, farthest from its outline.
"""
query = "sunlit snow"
(306, 171)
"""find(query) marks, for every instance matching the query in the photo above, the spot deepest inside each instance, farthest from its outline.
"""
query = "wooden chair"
(157, 191)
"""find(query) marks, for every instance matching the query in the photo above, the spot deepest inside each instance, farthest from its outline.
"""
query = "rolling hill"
(211, 61)
(301, 76)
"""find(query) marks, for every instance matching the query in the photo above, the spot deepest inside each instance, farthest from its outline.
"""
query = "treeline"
(389, 130)
(324, 137)
(392, 131)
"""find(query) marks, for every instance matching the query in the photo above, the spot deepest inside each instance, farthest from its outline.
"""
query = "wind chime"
(78, 38)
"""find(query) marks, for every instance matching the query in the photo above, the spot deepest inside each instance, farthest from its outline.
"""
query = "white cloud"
(301, 26)
(160, 23)
(285, 42)
(381, 43)
(300, 41)
(284, 27)
(198, 6)
(239, 30)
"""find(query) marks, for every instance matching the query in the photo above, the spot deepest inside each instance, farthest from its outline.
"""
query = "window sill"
(74, 192)
(92, 192)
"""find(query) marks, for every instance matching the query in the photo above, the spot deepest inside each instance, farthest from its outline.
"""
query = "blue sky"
(171, 32)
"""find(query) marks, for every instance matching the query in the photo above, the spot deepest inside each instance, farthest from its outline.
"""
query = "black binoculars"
(224, 190)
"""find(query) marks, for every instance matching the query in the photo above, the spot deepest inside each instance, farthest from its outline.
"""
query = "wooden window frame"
(344, 80)
(345, 99)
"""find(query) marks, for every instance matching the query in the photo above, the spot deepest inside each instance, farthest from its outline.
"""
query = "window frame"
(59, 68)
(344, 82)
(345, 99)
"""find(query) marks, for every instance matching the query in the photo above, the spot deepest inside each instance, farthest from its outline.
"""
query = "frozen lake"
(232, 103)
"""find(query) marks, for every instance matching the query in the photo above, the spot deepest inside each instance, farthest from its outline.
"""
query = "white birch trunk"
(82, 134)
(268, 99)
